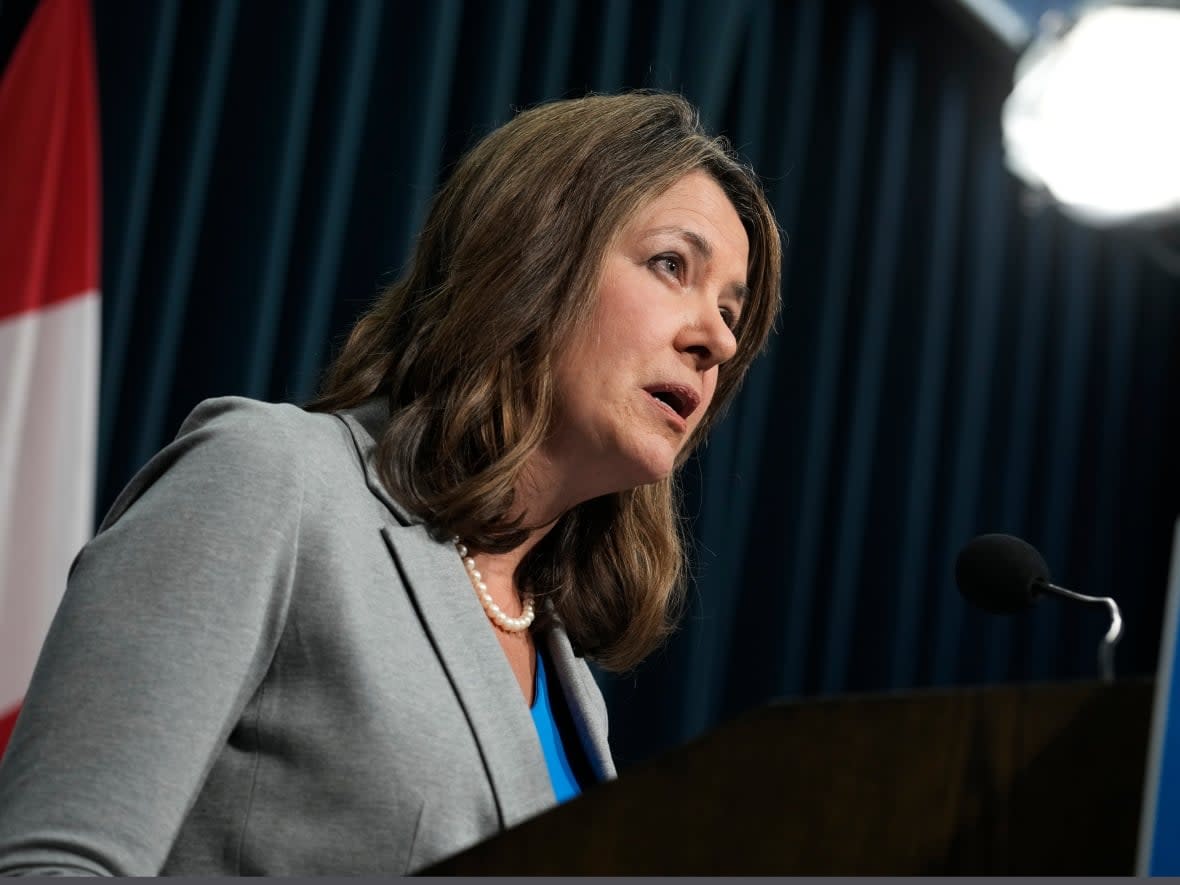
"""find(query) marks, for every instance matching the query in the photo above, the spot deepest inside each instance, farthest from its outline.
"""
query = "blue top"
(565, 785)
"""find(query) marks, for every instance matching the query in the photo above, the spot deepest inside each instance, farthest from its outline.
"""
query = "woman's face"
(640, 375)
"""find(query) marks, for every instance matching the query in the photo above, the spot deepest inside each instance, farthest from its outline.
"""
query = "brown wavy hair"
(462, 348)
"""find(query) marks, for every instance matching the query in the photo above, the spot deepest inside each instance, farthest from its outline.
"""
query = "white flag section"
(48, 416)
(49, 328)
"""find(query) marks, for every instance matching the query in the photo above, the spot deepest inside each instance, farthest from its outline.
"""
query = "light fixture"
(1094, 117)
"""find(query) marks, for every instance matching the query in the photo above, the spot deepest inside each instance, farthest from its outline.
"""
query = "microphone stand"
(1113, 635)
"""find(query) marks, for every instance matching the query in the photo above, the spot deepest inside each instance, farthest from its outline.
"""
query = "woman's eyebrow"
(698, 243)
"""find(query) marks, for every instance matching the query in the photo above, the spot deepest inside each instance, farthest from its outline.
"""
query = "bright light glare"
(1095, 116)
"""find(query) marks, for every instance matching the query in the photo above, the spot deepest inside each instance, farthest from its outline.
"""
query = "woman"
(316, 641)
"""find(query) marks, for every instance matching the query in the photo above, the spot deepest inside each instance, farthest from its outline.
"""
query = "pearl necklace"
(497, 615)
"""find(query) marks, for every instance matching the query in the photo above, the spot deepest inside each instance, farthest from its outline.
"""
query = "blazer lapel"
(366, 424)
(483, 681)
(463, 639)
(584, 700)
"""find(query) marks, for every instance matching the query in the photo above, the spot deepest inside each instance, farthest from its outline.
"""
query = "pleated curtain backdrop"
(948, 360)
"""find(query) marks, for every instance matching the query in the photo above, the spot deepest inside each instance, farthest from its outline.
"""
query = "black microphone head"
(1000, 573)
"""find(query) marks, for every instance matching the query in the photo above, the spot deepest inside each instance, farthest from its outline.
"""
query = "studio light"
(1094, 117)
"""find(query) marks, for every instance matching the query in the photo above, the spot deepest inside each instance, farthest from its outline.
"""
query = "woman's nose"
(709, 338)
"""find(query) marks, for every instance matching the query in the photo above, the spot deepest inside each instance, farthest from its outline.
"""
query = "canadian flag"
(49, 328)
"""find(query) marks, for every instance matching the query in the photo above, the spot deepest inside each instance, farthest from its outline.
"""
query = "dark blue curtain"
(948, 362)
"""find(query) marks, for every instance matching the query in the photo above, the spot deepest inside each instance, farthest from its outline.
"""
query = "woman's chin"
(652, 467)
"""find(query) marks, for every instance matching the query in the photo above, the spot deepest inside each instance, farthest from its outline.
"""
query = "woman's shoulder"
(239, 446)
(283, 432)
(251, 419)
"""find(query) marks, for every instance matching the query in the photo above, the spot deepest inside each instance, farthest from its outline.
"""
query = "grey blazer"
(264, 665)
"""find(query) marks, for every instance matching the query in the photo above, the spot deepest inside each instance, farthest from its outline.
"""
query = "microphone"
(1003, 574)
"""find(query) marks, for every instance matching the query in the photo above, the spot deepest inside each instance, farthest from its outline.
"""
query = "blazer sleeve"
(168, 624)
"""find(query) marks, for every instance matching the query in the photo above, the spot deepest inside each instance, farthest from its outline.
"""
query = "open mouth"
(681, 400)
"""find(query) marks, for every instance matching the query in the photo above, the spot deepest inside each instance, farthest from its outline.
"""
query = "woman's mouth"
(678, 399)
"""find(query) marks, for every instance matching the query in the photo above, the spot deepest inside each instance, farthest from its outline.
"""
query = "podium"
(1026, 779)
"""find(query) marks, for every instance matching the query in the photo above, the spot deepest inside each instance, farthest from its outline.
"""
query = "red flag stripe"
(7, 723)
(49, 209)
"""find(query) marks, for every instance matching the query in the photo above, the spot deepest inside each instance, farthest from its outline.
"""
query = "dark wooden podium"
(1032, 779)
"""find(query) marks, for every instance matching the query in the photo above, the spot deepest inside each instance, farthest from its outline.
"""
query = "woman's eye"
(670, 264)
(730, 318)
